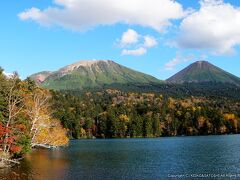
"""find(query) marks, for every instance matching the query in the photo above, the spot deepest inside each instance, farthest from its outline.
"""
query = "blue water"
(161, 158)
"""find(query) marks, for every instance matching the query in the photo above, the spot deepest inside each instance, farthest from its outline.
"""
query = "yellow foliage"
(229, 116)
(233, 119)
(82, 132)
(171, 103)
(52, 134)
(124, 118)
(44, 130)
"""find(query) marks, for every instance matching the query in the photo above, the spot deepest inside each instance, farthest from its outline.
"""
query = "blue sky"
(39, 35)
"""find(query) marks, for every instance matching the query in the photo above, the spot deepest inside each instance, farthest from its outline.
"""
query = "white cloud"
(170, 65)
(215, 27)
(80, 15)
(136, 44)
(129, 37)
(135, 52)
(149, 41)
(33, 13)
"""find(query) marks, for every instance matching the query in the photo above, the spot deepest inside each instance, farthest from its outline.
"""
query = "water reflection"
(132, 159)
(41, 164)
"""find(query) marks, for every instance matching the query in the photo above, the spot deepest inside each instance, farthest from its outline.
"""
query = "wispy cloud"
(135, 52)
(170, 65)
(149, 41)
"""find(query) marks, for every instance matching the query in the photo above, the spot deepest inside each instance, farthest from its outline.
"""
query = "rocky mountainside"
(89, 74)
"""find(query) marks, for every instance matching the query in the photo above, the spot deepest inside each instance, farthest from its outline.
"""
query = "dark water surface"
(159, 158)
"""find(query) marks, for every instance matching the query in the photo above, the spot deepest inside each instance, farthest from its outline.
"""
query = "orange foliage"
(229, 116)
(15, 149)
(10, 140)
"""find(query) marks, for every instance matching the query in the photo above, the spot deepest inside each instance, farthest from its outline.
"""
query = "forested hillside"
(114, 113)
(216, 90)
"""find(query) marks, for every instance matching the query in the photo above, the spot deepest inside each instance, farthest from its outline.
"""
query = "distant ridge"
(91, 74)
(203, 71)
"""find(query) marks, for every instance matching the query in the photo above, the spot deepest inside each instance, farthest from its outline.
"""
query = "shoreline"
(155, 137)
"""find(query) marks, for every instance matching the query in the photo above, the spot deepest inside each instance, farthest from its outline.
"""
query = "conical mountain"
(203, 71)
(90, 74)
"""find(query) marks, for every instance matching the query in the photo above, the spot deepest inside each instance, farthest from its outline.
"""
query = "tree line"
(117, 114)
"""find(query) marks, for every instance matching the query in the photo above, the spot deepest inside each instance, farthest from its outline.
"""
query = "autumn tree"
(44, 130)
(12, 96)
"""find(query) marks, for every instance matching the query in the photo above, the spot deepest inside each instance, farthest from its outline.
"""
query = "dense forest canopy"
(104, 99)
(113, 113)
(213, 90)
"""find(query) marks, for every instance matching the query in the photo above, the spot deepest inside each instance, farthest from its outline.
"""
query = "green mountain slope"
(203, 71)
(88, 74)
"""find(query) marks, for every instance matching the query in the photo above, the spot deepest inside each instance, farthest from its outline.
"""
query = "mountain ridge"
(203, 71)
(87, 74)
(92, 73)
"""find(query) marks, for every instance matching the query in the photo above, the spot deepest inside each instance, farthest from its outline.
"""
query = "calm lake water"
(159, 158)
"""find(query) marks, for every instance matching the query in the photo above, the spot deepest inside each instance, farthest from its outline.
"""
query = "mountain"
(203, 71)
(89, 74)
(41, 76)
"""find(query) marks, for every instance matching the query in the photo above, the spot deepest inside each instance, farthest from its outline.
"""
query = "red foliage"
(2, 130)
(15, 149)
(1, 127)
(10, 140)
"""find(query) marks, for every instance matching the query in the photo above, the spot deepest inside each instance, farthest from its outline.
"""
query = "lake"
(212, 157)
